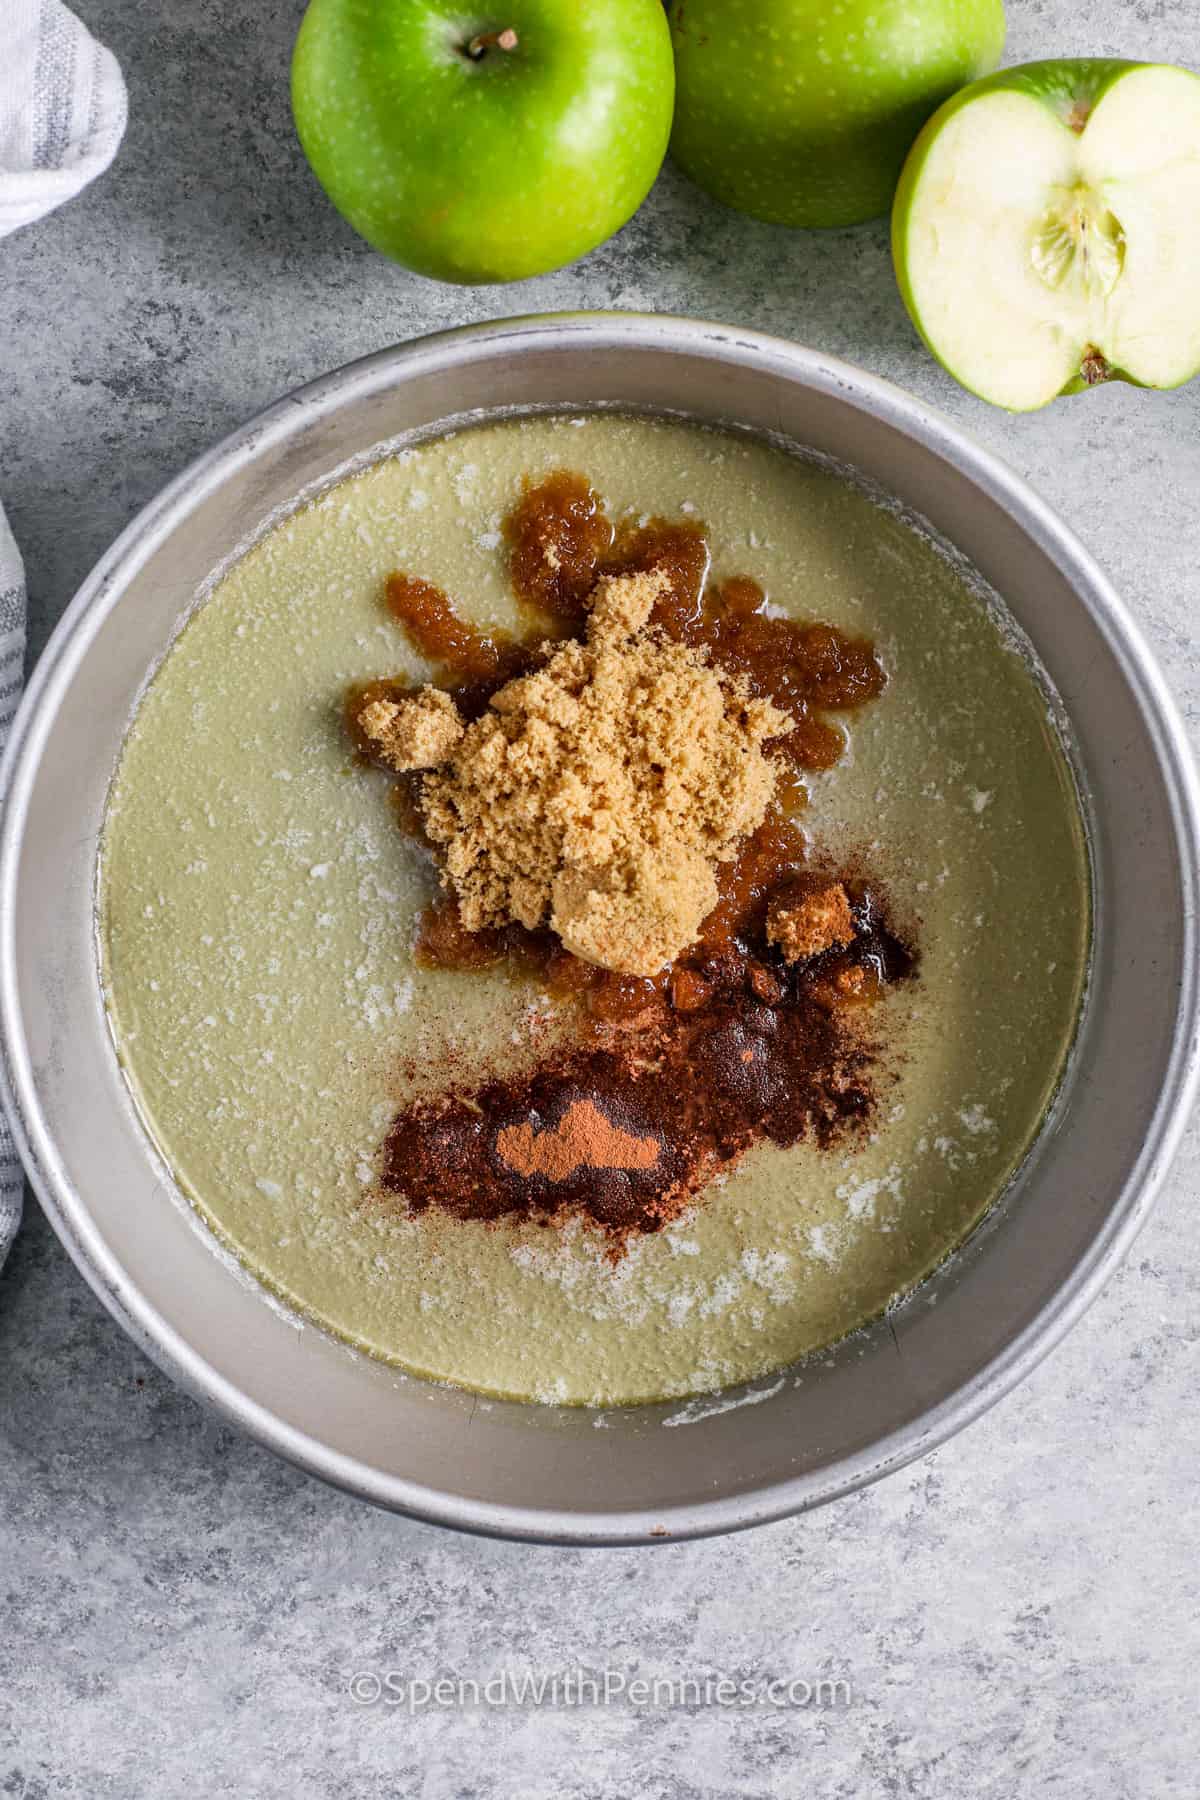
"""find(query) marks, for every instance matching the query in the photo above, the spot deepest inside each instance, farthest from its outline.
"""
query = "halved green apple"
(1046, 230)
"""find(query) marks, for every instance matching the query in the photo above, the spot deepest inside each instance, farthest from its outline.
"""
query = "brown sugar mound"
(804, 925)
(415, 732)
(598, 793)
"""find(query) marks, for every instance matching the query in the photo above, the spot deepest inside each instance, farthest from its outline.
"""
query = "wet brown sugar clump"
(559, 537)
(806, 668)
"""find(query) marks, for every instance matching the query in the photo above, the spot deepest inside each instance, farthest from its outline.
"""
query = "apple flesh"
(489, 141)
(1046, 230)
(801, 112)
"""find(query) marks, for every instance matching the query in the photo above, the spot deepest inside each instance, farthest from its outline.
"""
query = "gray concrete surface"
(180, 1614)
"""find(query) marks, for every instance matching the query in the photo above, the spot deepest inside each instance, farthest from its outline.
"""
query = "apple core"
(1080, 243)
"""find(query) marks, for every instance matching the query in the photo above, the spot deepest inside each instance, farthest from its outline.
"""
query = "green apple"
(484, 140)
(801, 111)
(1046, 230)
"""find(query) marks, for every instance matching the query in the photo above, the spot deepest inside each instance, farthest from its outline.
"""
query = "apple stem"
(484, 41)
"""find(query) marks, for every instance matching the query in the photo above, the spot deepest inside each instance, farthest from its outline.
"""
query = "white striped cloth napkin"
(62, 115)
(62, 109)
(12, 661)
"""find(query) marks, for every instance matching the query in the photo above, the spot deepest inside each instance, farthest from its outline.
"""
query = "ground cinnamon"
(584, 1138)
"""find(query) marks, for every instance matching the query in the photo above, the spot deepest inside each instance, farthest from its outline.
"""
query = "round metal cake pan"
(655, 1472)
